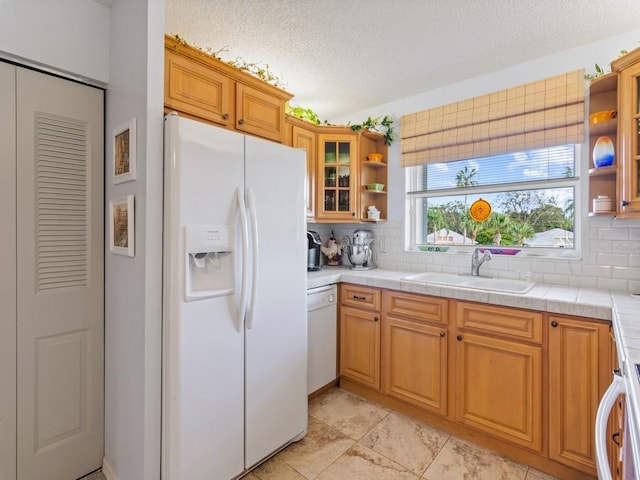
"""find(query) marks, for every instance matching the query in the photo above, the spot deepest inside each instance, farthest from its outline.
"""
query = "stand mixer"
(359, 250)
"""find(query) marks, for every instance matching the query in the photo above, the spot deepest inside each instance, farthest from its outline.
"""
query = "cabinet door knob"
(554, 324)
(225, 116)
(241, 122)
(459, 338)
(616, 438)
(624, 203)
(375, 319)
(442, 334)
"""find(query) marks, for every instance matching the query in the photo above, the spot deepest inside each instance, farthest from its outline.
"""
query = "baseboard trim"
(107, 471)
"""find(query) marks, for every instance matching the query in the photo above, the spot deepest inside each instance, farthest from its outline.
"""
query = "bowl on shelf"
(603, 116)
(375, 186)
(374, 157)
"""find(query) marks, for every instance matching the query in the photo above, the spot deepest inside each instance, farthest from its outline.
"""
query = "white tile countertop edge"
(584, 302)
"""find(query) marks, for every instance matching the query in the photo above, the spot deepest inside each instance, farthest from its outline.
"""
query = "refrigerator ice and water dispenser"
(209, 266)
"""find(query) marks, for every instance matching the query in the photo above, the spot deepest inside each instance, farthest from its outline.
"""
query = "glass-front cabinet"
(628, 68)
(337, 177)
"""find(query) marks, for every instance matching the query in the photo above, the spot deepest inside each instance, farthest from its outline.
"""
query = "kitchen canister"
(602, 203)
(603, 152)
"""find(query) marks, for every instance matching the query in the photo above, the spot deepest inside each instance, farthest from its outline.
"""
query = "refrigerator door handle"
(254, 256)
(244, 238)
(616, 388)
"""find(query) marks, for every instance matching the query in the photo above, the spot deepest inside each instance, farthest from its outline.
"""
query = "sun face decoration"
(480, 210)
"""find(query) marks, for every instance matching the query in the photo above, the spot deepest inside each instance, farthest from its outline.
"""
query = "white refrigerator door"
(276, 353)
(203, 380)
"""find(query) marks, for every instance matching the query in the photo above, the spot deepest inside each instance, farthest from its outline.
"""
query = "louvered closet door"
(60, 326)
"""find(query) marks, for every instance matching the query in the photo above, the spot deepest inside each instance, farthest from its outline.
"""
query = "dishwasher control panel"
(321, 297)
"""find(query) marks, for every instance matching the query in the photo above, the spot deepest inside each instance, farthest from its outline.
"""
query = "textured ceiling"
(342, 56)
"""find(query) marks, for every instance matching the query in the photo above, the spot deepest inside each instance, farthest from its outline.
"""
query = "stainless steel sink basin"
(467, 281)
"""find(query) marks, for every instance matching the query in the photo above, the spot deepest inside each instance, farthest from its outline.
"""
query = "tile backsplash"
(610, 256)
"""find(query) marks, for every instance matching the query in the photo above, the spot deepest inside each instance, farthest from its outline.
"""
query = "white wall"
(133, 286)
(610, 254)
(120, 48)
(69, 36)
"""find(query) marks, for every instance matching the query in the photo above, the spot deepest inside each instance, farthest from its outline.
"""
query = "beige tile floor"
(351, 438)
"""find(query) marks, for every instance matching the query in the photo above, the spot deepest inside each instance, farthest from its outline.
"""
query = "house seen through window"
(531, 196)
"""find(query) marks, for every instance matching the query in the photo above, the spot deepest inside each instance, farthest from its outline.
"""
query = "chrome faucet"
(476, 260)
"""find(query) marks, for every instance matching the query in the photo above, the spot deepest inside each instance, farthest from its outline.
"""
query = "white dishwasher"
(322, 336)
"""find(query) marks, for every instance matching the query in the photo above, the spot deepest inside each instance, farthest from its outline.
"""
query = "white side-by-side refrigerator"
(234, 314)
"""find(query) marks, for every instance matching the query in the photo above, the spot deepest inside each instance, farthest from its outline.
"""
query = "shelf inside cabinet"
(603, 97)
(603, 171)
(604, 128)
(367, 163)
(374, 192)
(603, 83)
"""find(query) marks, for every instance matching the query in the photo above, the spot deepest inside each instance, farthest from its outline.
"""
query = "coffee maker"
(359, 250)
(314, 259)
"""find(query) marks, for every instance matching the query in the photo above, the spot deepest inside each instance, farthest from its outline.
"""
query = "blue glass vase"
(603, 152)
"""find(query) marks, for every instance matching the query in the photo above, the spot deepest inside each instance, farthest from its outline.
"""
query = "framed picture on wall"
(124, 152)
(121, 225)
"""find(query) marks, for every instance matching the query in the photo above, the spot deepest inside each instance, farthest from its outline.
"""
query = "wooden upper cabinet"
(259, 113)
(202, 87)
(306, 139)
(628, 149)
(337, 176)
(195, 89)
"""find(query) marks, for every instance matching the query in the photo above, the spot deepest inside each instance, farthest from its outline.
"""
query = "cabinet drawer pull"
(442, 334)
(375, 319)
(357, 297)
(459, 338)
(241, 122)
(624, 203)
(554, 324)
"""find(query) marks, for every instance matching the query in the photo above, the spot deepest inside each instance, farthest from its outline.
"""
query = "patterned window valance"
(539, 114)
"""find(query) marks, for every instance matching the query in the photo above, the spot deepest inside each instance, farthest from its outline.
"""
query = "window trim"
(538, 252)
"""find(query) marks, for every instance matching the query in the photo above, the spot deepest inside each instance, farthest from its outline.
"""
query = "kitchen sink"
(468, 281)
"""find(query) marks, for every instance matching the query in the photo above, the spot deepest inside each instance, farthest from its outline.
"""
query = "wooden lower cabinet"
(360, 346)
(498, 388)
(579, 373)
(415, 363)
(526, 384)
(414, 348)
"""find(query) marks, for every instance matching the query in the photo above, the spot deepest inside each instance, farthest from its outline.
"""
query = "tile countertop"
(621, 308)
(584, 302)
